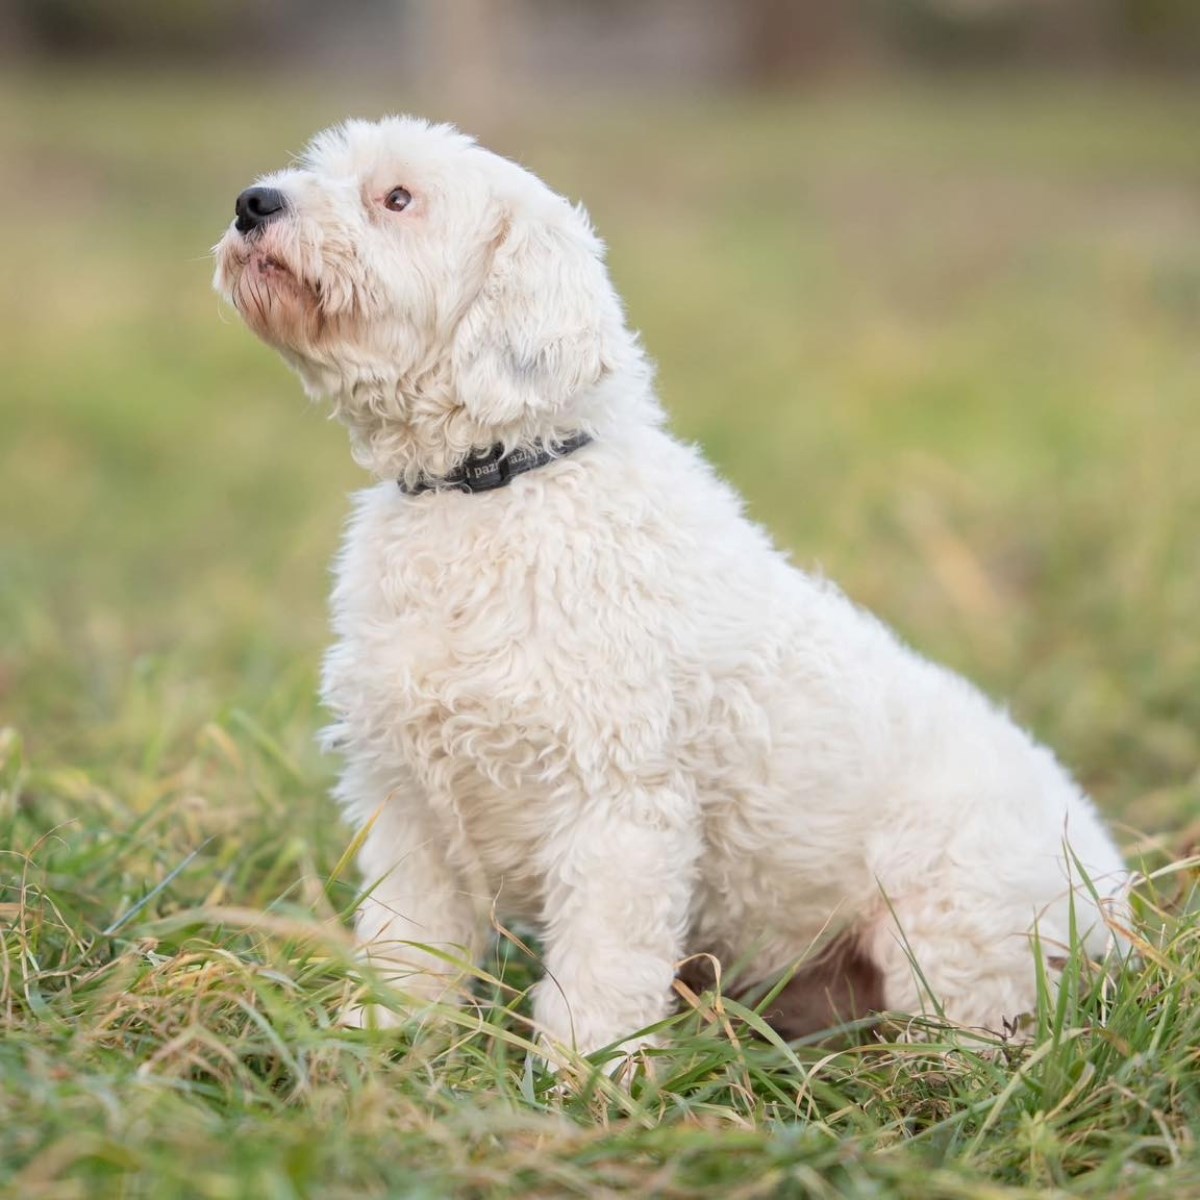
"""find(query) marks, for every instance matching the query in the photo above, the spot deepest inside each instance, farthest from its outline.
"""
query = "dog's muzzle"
(258, 205)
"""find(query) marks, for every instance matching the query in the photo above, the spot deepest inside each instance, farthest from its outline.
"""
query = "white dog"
(574, 685)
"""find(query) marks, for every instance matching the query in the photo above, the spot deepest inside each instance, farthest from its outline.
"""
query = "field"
(945, 339)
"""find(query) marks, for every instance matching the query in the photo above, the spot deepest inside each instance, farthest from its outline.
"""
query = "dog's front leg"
(618, 888)
(419, 927)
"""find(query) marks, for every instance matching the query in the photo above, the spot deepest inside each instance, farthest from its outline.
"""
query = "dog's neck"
(497, 467)
(410, 434)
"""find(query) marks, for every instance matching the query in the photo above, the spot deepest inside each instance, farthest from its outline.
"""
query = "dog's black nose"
(256, 206)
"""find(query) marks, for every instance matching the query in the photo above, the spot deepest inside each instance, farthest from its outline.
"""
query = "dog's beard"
(270, 295)
(275, 304)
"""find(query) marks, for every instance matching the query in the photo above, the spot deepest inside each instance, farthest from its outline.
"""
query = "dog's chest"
(510, 673)
(435, 648)
(473, 608)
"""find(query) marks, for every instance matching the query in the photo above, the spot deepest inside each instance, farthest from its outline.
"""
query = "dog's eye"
(398, 199)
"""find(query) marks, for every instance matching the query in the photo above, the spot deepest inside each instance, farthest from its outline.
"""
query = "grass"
(945, 342)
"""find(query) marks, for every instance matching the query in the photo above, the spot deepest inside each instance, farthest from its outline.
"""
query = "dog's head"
(416, 278)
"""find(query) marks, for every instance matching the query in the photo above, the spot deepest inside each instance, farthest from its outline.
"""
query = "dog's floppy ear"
(537, 333)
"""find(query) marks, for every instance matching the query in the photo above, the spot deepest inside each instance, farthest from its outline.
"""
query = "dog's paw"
(576, 1072)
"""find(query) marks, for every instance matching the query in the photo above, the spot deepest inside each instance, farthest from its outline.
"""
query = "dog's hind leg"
(980, 956)
(971, 965)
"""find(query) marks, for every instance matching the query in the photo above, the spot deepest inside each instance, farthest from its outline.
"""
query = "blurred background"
(922, 276)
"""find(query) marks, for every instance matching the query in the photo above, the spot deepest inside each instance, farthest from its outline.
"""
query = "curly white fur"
(599, 699)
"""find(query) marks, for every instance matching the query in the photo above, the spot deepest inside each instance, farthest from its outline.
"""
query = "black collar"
(486, 470)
